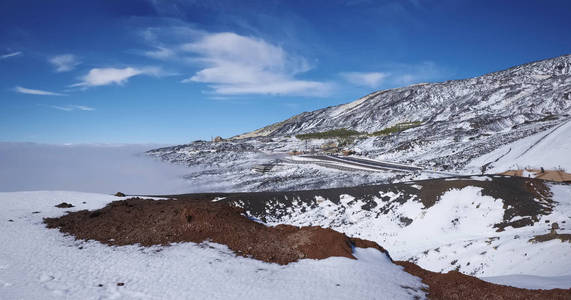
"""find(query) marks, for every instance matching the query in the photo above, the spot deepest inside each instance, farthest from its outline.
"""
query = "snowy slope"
(550, 150)
(39, 263)
(458, 232)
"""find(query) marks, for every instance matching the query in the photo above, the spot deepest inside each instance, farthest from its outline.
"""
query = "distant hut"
(330, 147)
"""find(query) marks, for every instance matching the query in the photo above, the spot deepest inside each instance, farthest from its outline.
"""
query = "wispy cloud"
(8, 55)
(405, 74)
(160, 53)
(107, 76)
(370, 79)
(395, 75)
(72, 107)
(233, 64)
(23, 90)
(64, 62)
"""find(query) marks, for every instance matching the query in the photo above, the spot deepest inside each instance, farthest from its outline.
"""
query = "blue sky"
(175, 71)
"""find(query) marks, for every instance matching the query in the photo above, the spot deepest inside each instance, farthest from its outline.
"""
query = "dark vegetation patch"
(161, 222)
(455, 285)
(396, 128)
(335, 133)
(344, 133)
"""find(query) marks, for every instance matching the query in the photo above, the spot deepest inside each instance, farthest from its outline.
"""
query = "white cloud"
(370, 79)
(8, 55)
(160, 53)
(294, 87)
(232, 64)
(64, 62)
(72, 107)
(107, 76)
(23, 90)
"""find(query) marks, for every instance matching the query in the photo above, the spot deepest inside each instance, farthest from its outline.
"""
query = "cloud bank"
(88, 168)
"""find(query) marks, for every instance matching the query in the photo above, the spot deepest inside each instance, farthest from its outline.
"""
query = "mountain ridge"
(529, 77)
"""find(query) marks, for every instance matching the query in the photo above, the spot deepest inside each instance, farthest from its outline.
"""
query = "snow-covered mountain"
(492, 102)
(459, 119)
(456, 124)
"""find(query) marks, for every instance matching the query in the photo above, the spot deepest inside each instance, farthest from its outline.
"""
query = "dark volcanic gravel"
(526, 197)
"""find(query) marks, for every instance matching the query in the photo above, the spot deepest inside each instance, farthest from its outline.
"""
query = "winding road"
(365, 163)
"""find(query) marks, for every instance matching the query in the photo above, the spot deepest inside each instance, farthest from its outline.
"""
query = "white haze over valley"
(87, 168)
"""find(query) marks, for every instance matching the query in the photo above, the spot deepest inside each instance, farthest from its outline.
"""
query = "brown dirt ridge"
(161, 222)
(455, 285)
(150, 222)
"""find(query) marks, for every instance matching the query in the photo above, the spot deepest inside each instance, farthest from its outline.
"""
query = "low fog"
(88, 168)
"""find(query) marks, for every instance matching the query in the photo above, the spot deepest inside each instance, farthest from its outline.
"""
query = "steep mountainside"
(494, 102)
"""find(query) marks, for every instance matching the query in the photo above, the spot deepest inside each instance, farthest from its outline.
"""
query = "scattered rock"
(119, 194)
(120, 284)
(564, 237)
(64, 205)
(35, 212)
(10, 220)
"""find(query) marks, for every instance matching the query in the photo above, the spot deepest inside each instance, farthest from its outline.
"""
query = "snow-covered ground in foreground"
(456, 233)
(550, 149)
(41, 263)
